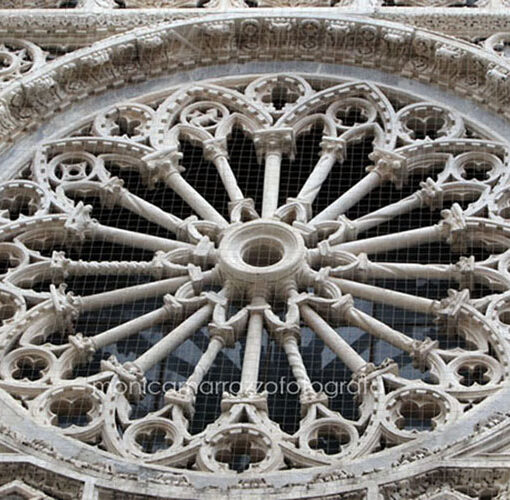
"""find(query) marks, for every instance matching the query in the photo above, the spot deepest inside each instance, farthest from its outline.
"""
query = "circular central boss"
(261, 251)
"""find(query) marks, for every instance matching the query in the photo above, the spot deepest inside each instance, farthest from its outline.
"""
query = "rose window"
(257, 274)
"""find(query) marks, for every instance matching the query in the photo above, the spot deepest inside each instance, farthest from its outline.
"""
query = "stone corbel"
(450, 58)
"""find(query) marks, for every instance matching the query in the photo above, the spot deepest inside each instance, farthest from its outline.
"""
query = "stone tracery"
(282, 263)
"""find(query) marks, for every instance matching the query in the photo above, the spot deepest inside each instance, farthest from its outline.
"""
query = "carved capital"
(389, 166)
(309, 398)
(65, 305)
(269, 141)
(59, 264)
(333, 146)
(160, 166)
(79, 221)
(252, 398)
(369, 371)
(421, 351)
(453, 226)
(184, 398)
(84, 346)
(431, 193)
(214, 148)
(465, 270)
(111, 191)
(449, 309)
(129, 373)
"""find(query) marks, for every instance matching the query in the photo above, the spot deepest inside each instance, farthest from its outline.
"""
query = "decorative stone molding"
(69, 29)
(109, 64)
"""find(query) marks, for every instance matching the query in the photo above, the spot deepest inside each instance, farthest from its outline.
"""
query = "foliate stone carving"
(449, 484)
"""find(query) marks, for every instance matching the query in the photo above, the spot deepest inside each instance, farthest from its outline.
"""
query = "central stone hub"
(261, 251)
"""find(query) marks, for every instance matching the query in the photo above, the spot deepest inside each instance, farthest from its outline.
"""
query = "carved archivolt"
(153, 52)
(251, 267)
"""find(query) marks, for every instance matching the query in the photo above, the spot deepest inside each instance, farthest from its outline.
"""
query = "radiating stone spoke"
(378, 329)
(134, 239)
(404, 271)
(332, 339)
(385, 296)
(150, 212)
(215, 150)
(205, 363)
(389, 212)
(165, 166)
(113, 193)
(105, 268)
(162, 265)
(332, 149)
(194, 199)
(395, 241)
(271, 183)
(129, 328)
(131, 293)
(296, 364)
(173, 339)
(271, 145)
(251, 360)
(349, 198)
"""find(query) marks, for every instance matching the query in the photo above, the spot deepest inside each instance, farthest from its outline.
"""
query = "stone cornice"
(79, 28)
